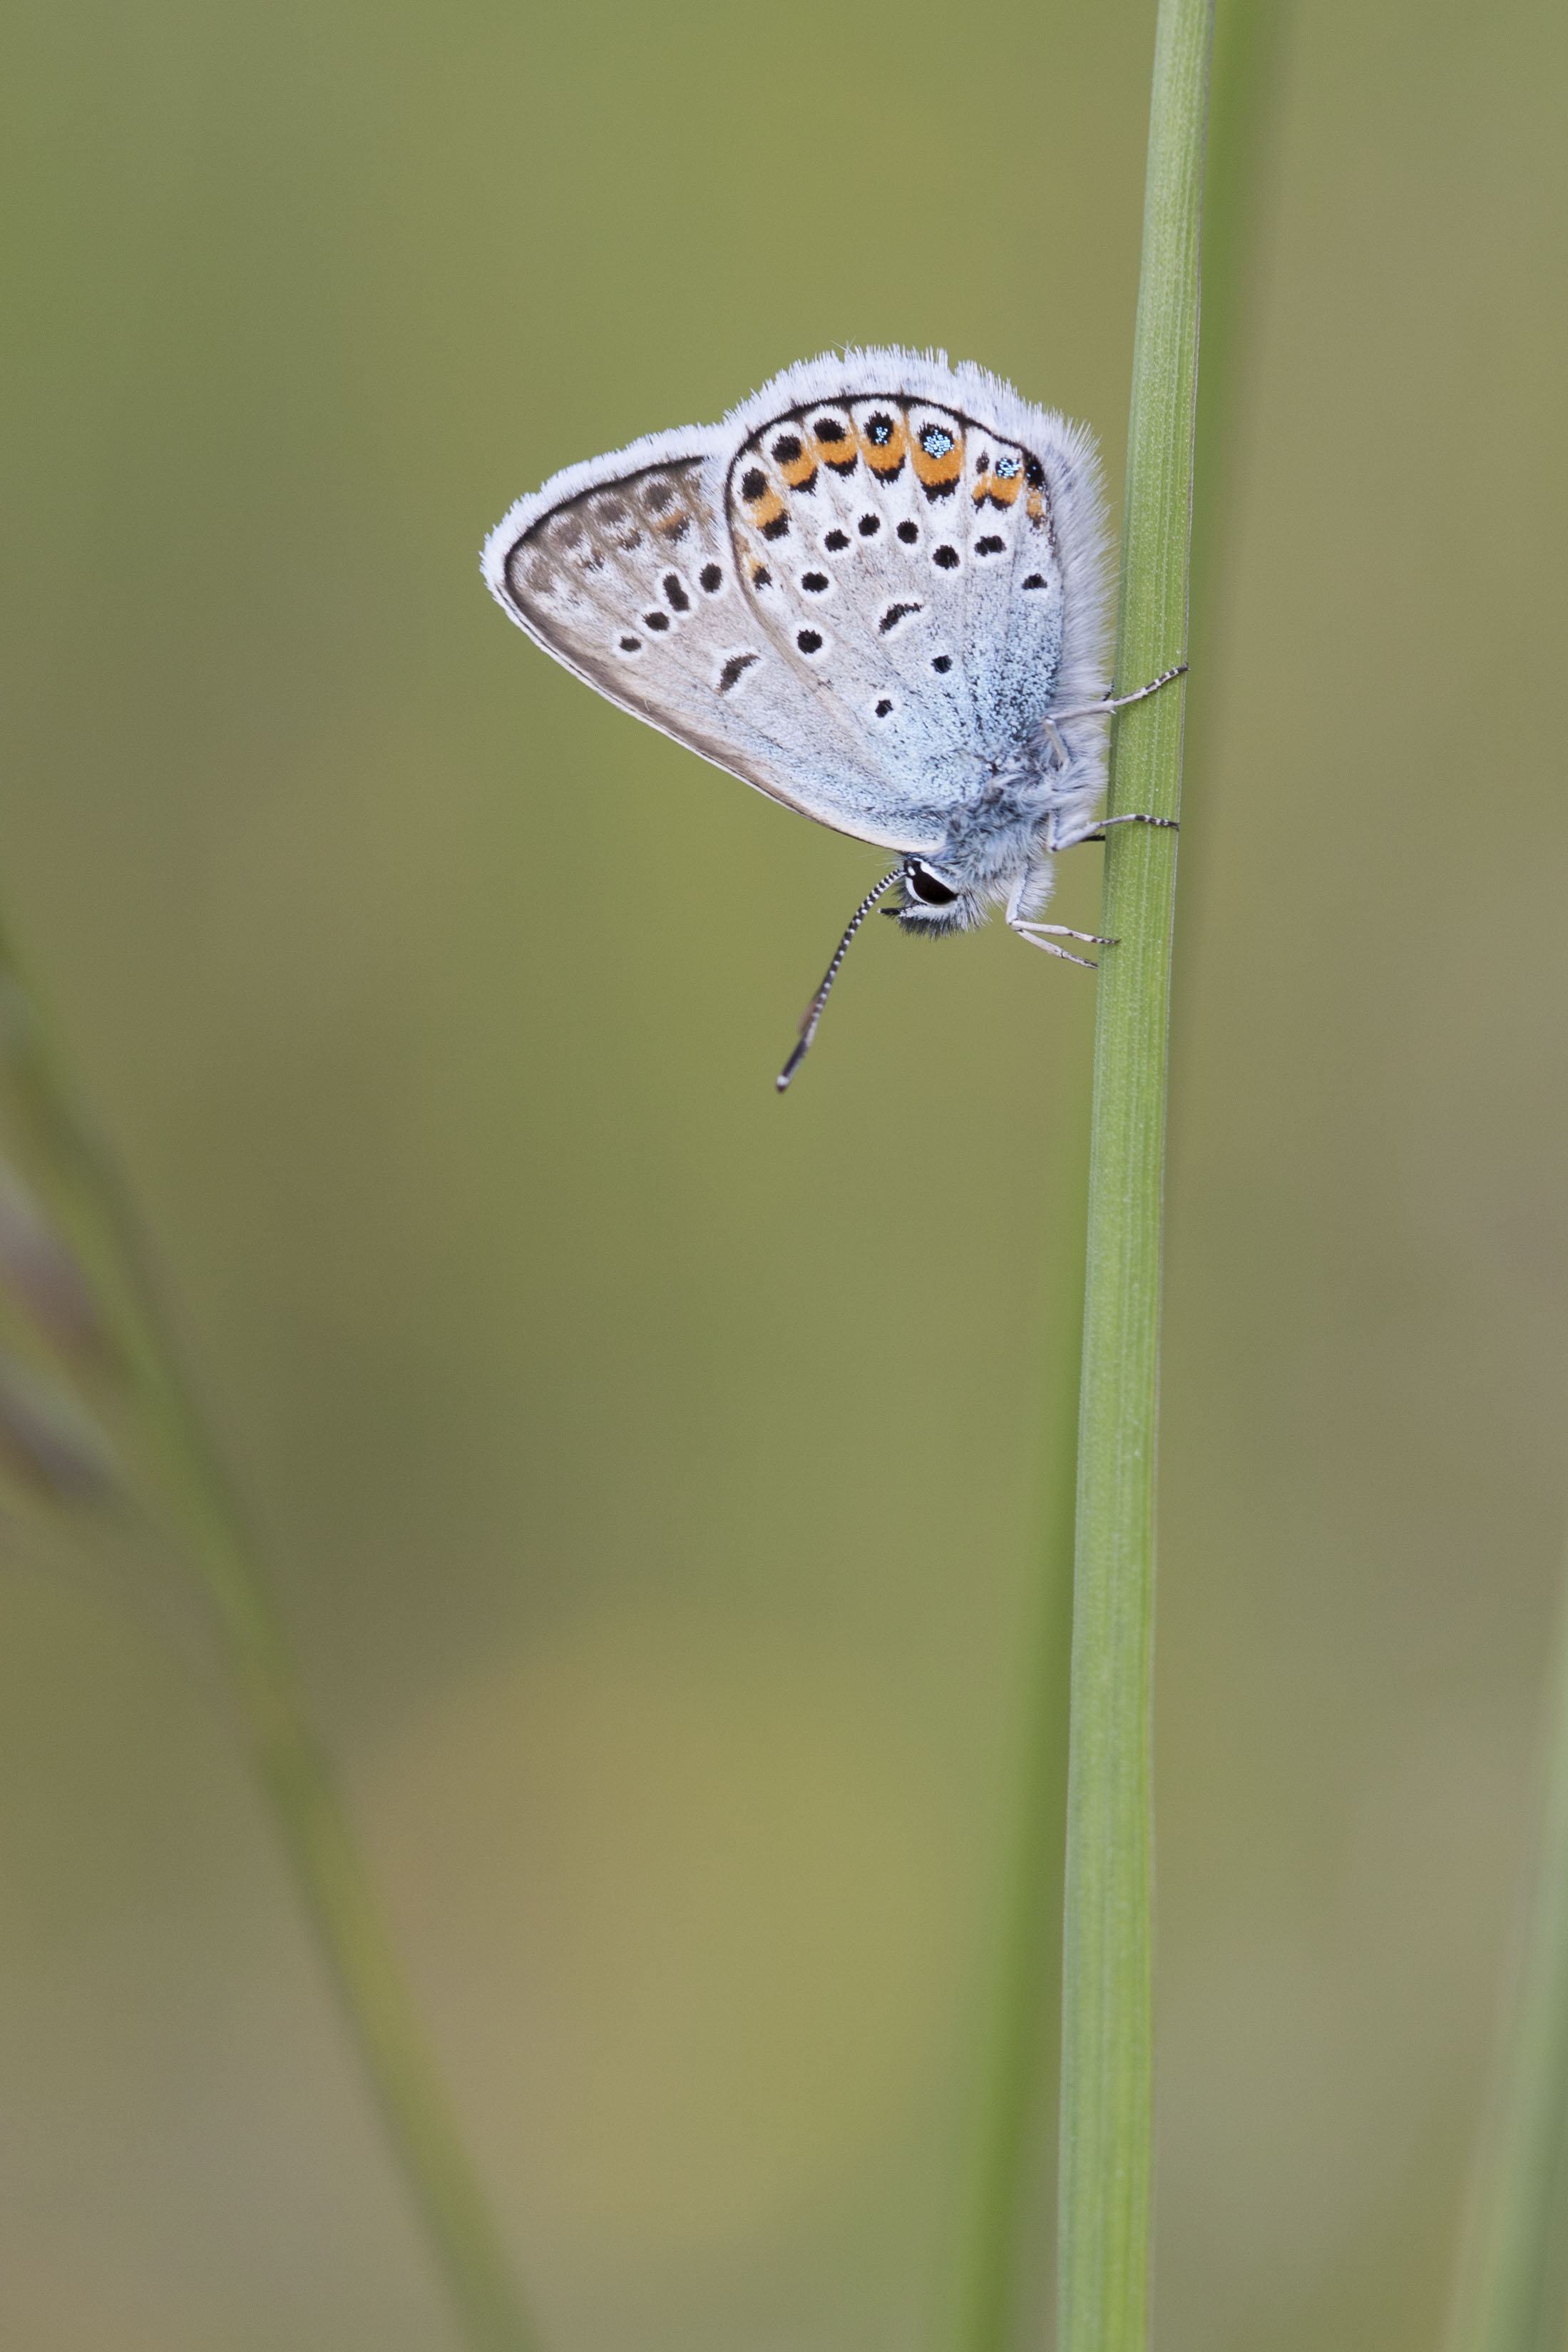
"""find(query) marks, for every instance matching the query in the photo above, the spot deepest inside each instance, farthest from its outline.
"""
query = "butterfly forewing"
(634, 585)
(604, 579)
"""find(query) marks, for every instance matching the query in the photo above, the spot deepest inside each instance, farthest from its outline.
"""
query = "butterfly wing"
(624, 570)
(860, 595)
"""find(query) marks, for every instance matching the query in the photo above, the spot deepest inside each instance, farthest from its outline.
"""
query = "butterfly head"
(931, 903)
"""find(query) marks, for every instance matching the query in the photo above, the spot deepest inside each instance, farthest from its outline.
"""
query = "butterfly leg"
(1032, 932)
(1026, 931)
(1077, 840)
(1109, 702)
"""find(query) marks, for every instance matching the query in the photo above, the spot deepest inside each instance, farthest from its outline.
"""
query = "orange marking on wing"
(1035, 508)
(886, 457)
(945, 465)
(839, 453)
(765, 509)
(802, 470)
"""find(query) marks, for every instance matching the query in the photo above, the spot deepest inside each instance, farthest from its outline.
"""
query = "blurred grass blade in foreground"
(1513, 2288)
(71, 1268)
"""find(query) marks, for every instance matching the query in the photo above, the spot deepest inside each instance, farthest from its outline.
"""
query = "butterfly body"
(877, 593)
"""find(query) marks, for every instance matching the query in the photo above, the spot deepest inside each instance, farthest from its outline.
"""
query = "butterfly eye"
(927, 886)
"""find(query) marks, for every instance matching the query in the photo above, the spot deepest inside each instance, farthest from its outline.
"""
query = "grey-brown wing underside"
(635, 586)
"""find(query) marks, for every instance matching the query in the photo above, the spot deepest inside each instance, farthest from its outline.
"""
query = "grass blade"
(1007, 2276)
(1513, 2294)
(80, 1188)
(1107, 1950)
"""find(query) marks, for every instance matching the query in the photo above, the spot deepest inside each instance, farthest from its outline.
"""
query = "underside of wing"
(1062, 491)
(625, 571)
(860, 594)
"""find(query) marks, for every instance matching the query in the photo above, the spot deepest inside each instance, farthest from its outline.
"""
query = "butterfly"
(879, 592)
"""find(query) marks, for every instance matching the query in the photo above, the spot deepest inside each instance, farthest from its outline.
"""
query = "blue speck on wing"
(935, 442)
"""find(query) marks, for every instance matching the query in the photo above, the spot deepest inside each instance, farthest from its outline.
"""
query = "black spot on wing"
(894, 615)
(734, 669)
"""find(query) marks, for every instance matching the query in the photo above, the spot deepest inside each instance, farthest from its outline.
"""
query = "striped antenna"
(814, 1010)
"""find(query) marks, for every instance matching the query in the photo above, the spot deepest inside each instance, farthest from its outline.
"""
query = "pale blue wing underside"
(860, 593)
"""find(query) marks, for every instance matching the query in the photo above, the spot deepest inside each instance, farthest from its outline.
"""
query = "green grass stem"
(1009, 2275)
(1512, 2290)
(1106, 2148)
(184, 1486)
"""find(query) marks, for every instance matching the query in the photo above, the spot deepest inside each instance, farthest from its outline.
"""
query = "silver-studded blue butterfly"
(878, 593)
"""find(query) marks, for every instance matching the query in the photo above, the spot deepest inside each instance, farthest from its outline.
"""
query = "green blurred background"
(651, 1470)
